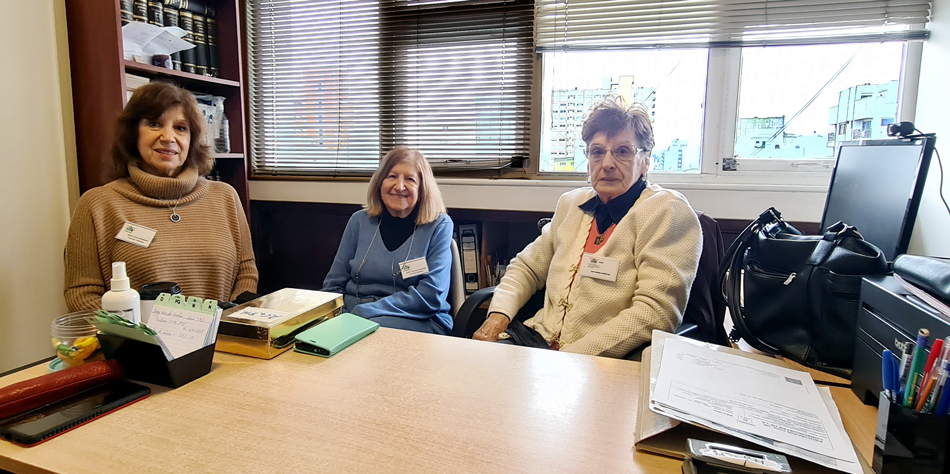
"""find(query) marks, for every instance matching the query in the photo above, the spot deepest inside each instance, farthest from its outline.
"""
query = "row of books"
(195, 17)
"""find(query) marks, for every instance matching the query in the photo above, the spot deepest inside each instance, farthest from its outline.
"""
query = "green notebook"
(330, 337)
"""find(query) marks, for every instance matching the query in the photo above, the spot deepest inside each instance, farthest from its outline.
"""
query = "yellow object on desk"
(265, 327)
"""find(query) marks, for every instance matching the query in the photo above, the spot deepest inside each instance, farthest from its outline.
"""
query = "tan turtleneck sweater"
(208, 252)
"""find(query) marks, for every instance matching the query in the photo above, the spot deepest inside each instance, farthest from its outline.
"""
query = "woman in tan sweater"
(201, 239)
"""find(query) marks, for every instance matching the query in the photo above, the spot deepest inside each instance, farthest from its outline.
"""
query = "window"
(783, 84)
(334, 84)
(671, 84)
(805, 98)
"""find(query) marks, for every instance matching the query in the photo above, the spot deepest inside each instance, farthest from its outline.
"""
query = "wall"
(932, 231)
(802, 203)
(38, 183)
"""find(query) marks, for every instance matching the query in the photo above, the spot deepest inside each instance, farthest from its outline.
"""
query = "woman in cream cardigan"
(616, 261)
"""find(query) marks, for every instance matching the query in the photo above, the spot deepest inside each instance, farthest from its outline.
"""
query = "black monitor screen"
(876, 187)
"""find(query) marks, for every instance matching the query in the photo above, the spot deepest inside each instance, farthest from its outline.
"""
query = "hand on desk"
(495, 324)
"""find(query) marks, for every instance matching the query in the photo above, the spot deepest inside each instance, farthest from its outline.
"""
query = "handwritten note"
(259, 314)
(184, 326)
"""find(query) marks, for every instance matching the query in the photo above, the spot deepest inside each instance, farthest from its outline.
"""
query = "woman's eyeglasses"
(597, 154)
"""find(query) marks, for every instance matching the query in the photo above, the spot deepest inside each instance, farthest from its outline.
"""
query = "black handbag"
(798, 294)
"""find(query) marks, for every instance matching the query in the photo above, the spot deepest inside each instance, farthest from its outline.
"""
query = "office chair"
(702, 319)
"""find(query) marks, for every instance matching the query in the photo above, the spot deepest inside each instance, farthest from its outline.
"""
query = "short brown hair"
(611, 117)
(430, 198)
(150, 102)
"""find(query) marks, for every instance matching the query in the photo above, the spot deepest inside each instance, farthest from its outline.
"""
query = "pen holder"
(147, 363)
(908, 441)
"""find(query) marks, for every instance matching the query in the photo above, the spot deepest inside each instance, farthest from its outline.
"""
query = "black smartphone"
(48, 421)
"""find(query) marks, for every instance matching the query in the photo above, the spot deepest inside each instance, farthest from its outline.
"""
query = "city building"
(677, 157)
(863, 112)
(569, 108)
(760, 137)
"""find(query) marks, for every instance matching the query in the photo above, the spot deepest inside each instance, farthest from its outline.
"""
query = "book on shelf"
(155, 13)
(201, 43)
(170, 18)
(199, 7)
(125, 11)
(186, 22)
(140, 10)
(212, 35)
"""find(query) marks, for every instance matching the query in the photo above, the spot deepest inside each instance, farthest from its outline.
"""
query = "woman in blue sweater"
(394, 262)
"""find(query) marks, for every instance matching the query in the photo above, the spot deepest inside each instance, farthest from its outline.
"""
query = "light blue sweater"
(381, 288)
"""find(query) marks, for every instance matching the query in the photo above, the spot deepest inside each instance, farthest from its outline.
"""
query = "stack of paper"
(772, 406)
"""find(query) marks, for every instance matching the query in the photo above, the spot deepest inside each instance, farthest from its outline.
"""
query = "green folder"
(330, 337)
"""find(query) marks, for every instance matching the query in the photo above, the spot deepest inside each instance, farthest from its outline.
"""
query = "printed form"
(737, 394)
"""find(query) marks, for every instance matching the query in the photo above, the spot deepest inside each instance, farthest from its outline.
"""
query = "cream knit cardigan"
(658, 244)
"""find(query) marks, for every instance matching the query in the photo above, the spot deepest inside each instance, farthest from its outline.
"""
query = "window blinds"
(335, 84)
(625, 24)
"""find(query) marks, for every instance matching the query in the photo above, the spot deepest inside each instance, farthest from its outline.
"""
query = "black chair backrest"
(706, 307)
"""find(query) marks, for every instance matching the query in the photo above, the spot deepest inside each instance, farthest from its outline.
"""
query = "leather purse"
(797, 295)
(36, 392)
(929, 273)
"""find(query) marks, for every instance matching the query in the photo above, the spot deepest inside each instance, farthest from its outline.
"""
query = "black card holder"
(147, 363)
(910, 442)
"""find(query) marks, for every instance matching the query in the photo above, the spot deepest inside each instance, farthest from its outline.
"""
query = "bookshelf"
(98, 71)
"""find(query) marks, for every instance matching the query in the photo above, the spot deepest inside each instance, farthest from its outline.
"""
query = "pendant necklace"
(599, 239)
(175, 217)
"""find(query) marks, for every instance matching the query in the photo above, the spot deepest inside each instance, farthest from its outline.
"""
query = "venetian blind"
(335, 84)
(625, 24)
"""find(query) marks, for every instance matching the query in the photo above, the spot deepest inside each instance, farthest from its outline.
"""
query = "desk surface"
(395, 402)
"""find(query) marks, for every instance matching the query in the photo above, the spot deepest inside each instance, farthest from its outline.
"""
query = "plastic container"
(121, 299)
(74, 338)
(149, 293)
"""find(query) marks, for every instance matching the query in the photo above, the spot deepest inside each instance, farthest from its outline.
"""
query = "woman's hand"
(492, 327)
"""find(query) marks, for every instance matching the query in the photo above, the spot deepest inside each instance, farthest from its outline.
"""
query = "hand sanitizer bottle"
(121, 298)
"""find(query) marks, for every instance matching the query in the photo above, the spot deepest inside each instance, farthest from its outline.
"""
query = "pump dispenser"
(121, 298)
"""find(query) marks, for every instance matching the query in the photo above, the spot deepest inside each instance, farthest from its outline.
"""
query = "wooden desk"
(395, 402)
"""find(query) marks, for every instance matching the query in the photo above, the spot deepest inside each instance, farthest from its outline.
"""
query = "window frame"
(723, 74)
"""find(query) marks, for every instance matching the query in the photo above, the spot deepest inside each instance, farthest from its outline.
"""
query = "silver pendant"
(175, 217)
(597, 241)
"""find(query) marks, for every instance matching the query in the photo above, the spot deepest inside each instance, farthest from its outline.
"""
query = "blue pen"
(888, 365)
(944, 406)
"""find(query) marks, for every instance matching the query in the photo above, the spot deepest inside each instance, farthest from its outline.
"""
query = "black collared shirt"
(395, 230)
(611, 213)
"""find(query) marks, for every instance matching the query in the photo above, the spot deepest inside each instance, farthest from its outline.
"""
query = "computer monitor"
(876, 186)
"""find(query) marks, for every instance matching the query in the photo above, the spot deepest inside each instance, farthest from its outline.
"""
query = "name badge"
(136, 234)
(601, 268)
(414, 267)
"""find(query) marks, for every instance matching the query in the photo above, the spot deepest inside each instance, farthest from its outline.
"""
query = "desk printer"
(889, 316)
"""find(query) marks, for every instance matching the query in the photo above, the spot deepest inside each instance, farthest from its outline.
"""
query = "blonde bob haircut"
(430, 203)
